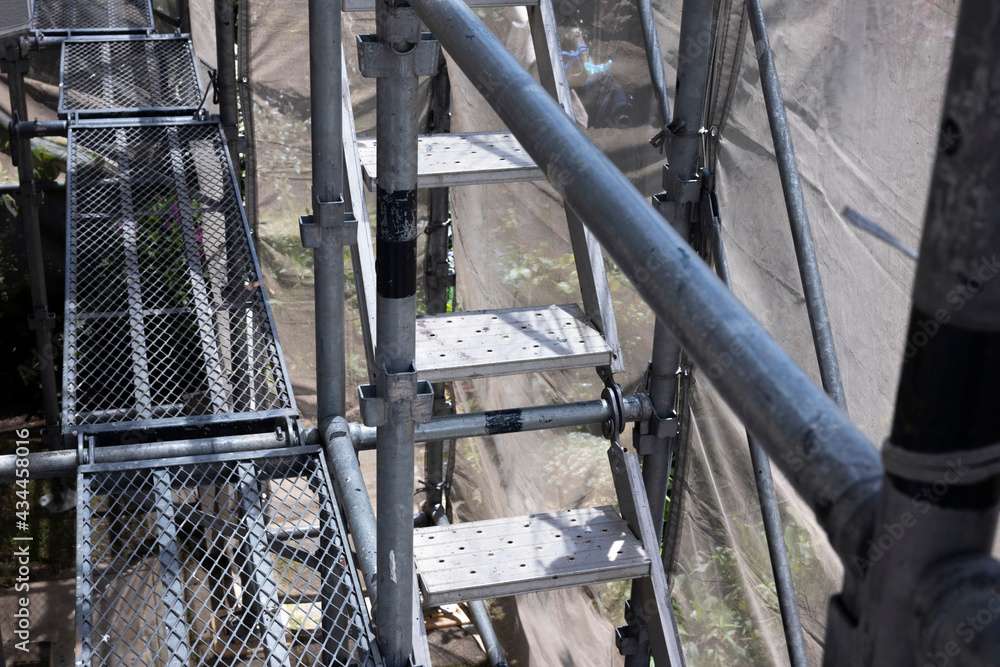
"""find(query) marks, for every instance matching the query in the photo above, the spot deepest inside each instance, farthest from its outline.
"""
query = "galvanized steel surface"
(121, 76)
(165, 308)
(92, 15)
(233, 557)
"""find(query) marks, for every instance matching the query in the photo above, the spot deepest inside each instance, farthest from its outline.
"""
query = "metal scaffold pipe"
(397, 111)
(327, 200)
(680, 209)
(654, 59)
(832, 465)
(63, 463)
(515, 420)
(798, 218)
(773, 530)
(929, 554)
(225, 38)
(345, 472)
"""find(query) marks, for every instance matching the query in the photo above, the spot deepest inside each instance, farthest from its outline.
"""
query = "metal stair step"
(469, 158)
(525, 554)
(129, 76)
(95, 16)
(460, 346)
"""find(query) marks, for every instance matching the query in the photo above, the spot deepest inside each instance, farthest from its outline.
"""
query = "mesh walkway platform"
(126, 76)
(92, 16)
(166, 317)
(217, 560)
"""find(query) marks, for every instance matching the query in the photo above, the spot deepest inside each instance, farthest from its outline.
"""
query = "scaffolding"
(214, 529)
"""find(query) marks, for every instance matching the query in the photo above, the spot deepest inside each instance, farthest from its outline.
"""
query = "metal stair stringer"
(654, 591)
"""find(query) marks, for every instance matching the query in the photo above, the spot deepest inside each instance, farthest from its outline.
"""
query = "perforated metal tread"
(446, 160)
(129, 76)
(502, 557)
(459, 346)
(166, 315)
(217, 560)
(91, 16)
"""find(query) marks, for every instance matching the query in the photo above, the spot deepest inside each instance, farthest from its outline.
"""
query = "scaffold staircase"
(460, 346)
(508, 556)
(240, 557)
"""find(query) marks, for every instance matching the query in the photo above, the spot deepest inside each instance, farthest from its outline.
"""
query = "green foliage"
(718, 625)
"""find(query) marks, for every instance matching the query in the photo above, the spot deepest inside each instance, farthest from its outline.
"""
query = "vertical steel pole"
(398, 30)
(327, 197)
(328, 256)
(184, 11)
(42, 321)
(225, 38)
(679, 205)
(941, 491)
(773, 531)
(805, 253)
(437, 272)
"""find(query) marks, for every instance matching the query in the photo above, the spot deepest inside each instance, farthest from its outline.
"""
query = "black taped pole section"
(398, 30)
(941, 490)
(831, 464)
(798, 218)
(327, 194)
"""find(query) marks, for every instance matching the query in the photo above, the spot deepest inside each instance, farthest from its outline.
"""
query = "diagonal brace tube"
(791, 184)
(831, 464)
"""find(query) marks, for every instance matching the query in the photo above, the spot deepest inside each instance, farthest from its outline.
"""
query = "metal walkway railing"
(238, 558)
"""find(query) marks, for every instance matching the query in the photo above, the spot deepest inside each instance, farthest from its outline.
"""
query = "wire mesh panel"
(217, 561)
(118, 76)
(92, 15)
(165, 311)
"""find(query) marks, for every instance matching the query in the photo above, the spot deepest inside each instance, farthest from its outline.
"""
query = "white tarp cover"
(863, 82)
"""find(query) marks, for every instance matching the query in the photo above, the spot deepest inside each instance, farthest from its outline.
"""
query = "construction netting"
(863, 82)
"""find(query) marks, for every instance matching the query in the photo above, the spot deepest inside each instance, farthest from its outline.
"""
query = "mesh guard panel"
(166, 315)
(217, 560)
(92, 15)
(118, 76)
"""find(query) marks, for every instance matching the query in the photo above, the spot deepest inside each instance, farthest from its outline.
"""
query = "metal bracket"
(437, 280)
(43, 319)
(52, 438)
(378, 59)
(677, 193)
(648, 433)
(29, 129)
(400, 387)
(612, 393)
(631, 638)
(330, 216)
